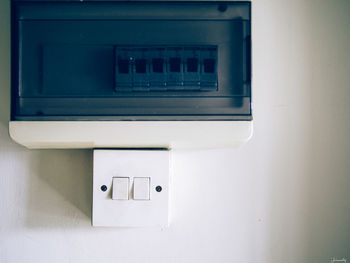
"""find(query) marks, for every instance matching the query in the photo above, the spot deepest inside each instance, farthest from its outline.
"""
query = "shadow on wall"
(56, 183)
(60, 184)
(309, 149)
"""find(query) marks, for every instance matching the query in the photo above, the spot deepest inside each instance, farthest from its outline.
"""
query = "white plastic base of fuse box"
(130, 134)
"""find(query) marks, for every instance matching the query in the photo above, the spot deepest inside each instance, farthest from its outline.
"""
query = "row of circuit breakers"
(166, 68)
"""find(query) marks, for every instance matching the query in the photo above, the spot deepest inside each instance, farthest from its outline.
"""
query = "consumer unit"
(89, 74)
(131, 80)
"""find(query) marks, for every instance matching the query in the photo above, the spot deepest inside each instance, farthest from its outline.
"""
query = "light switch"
(141, 188)
(120, 188)
(145, 206)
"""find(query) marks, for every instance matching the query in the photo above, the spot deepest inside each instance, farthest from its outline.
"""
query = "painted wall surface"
(283, 197)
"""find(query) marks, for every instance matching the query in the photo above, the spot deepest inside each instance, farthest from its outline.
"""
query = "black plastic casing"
(134, 60)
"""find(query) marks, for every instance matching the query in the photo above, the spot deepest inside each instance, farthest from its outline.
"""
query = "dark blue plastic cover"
(140, 60)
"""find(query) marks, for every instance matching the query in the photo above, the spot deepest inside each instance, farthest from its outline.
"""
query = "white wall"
(283, 197)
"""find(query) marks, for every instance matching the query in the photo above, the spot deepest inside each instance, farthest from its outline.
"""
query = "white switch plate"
(132, 164)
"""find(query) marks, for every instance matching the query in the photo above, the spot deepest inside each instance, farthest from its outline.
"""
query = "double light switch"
(121, 188)
(130, 188)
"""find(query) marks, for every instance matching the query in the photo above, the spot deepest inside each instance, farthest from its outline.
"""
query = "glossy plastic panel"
(67, 66)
